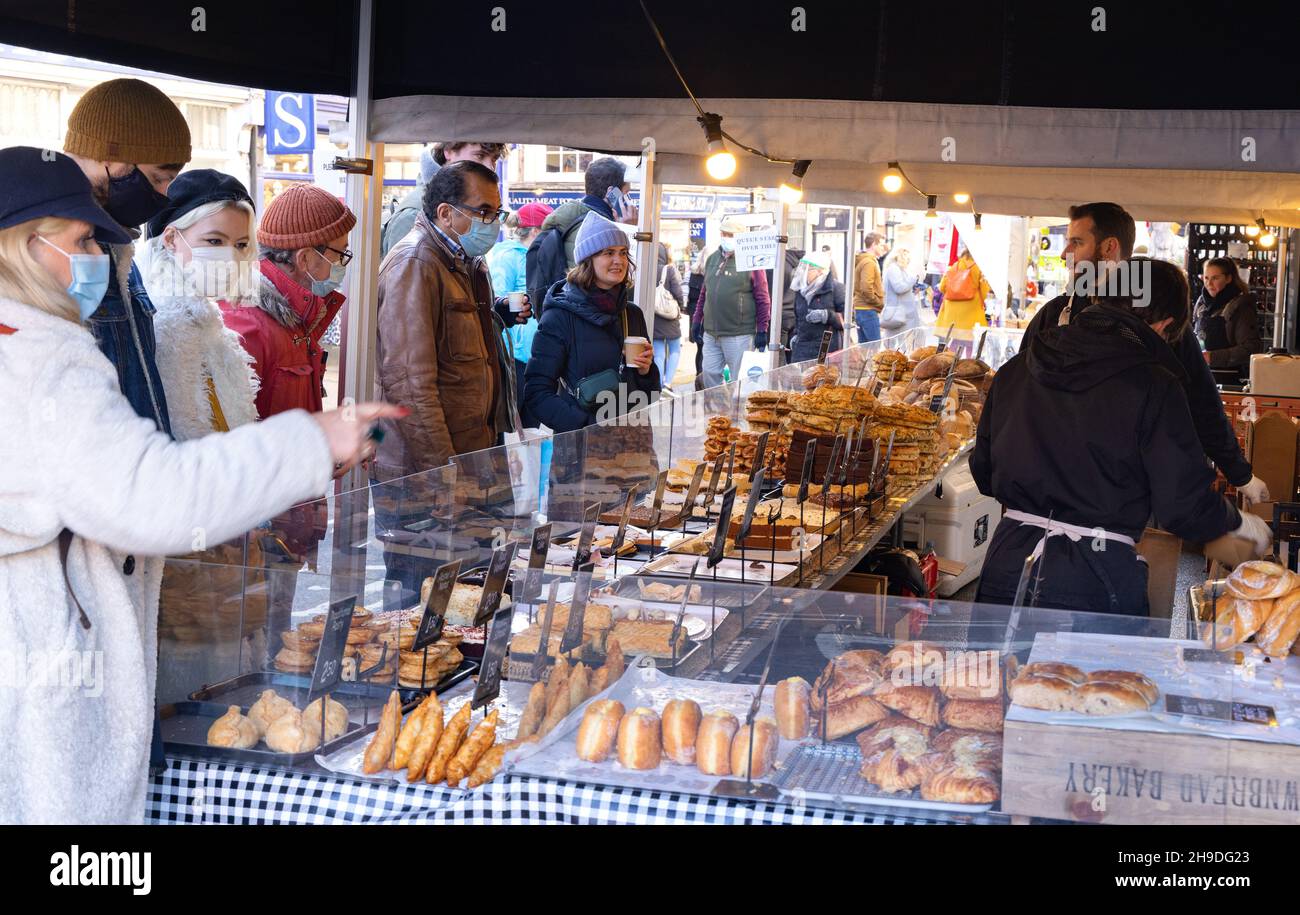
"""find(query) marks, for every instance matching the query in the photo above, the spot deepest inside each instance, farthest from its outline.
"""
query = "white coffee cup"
(517, 301)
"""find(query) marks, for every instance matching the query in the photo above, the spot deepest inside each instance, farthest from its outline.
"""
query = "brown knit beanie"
(303, 216)
(128, 120)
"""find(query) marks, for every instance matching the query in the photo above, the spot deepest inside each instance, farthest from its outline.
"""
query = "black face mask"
(132, 200)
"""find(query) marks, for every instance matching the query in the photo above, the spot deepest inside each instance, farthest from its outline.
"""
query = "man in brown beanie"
(303, 246)
(131, 141)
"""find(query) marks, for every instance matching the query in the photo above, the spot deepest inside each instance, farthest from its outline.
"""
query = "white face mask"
(214, 272)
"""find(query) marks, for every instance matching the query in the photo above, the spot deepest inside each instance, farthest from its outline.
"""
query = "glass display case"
(940, 710)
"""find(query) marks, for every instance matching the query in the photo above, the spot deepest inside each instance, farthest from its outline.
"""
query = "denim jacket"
(125, 335)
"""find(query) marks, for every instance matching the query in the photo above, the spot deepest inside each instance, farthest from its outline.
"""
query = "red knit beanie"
(303, 216)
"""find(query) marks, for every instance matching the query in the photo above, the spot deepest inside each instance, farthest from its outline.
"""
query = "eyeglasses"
(345, 257)
(483, 214)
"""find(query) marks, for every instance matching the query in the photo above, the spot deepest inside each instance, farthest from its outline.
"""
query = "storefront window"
(561, 161)
(207, 126)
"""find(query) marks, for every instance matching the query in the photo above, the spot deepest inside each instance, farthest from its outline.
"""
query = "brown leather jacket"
(437, 354)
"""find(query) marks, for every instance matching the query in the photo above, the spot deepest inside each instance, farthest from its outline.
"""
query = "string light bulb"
(1266, 238)
(893, 180)
(720, 162)
(962, 198)
(1252, 231)
(792, 191)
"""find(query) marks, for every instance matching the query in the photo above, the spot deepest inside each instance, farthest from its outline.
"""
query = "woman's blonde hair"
(23, 279)
(163, 275)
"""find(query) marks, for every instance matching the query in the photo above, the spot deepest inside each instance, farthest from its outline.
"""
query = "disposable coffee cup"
(517, 301)
(633, 346)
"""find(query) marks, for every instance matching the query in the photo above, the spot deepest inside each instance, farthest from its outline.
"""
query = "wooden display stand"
(1096, 775)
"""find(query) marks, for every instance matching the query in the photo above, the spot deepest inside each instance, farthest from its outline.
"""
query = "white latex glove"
(1253, 492)
(1256, 530)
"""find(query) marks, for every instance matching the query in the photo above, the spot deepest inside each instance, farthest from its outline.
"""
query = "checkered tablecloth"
(192, 791)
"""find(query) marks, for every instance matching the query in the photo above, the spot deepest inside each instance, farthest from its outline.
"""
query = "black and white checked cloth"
(192, 791)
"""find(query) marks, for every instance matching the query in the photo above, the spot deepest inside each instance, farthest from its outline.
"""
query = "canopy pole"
(850, 274)
(647, 237)
(777, 292)
(364, 196)
(1280, 316)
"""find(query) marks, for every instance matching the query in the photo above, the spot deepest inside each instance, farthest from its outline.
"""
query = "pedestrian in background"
(818, 306)
(869, 288)
(433, 158)
(1227, 320)
(508, 266)
(733, 312)
(901, 313)
(579, 368)
(669, 303)
(964, 290)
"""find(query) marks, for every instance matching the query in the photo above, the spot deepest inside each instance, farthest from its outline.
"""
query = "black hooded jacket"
(1213, 429)
(1090, 425)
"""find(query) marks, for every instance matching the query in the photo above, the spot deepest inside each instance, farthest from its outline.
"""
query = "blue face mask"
(323, 288)
(480, 237)
(89, 278)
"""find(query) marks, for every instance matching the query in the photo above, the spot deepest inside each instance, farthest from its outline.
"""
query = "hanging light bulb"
(1266, 238)
(792, 191)
(962, 198)
(1252, 231)
(978, 226)
(893, 180)
(720, 162)
(931, 213)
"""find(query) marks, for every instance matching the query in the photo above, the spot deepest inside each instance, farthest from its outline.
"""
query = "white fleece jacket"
(73, 454)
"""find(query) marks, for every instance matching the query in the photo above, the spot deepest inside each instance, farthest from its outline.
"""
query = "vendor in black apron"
(1227, 321)
(1085, 436)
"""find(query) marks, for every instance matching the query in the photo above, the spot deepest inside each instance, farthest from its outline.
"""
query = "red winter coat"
(282, 332)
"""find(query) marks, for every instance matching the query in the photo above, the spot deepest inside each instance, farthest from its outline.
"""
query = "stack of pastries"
(1053, 686)
(715, 743)
(932, 718)
(1263, 602)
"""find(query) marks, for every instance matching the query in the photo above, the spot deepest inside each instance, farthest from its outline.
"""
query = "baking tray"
(829, 772)
(678, 565)
(185, 733)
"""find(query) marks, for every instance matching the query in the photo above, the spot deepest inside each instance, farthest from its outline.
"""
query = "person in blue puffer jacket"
(508, 264)
(585, 320)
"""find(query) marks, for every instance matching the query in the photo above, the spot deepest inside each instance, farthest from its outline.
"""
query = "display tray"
(698, 545)
(829, 772)
(244, 690)
(185, 733)
(757, 571)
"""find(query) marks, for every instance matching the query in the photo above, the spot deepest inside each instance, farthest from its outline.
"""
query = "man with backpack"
(433, 158)
(550, 256)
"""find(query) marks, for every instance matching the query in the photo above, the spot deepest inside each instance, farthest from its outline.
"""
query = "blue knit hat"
(595, 235)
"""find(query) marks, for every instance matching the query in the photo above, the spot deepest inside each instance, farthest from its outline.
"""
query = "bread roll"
(713, 742)
(1282, 627)
(1051, 694)
(599, 729)
(974, 714)
(1132, 679)
(1108, 699)
(1259, 580)
(639, 745)
(681, 723)
(760, 761)
(792, 697)
(1239, 619)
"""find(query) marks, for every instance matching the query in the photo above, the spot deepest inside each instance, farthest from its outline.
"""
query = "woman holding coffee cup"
(592, 358)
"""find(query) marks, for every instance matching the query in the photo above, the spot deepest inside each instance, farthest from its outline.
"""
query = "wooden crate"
(1099, 775)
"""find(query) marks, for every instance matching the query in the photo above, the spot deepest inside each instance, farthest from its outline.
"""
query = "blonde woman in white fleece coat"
(77, 621)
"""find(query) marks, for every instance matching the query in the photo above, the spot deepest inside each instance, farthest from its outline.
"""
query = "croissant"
(959, 783)
(896, 754)
(232, 730)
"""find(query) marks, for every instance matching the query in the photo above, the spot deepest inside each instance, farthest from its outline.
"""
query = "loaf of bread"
(1132, 679)
(639, 740)
(756, 760)
(713, 742)
(792, 697)
(1280, 631)
(599, 729)
(1067, 672)
(1239, 619)
(681, 725)
(1260, 580)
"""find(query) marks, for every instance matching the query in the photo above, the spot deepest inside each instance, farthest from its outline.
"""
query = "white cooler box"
(959, 525)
